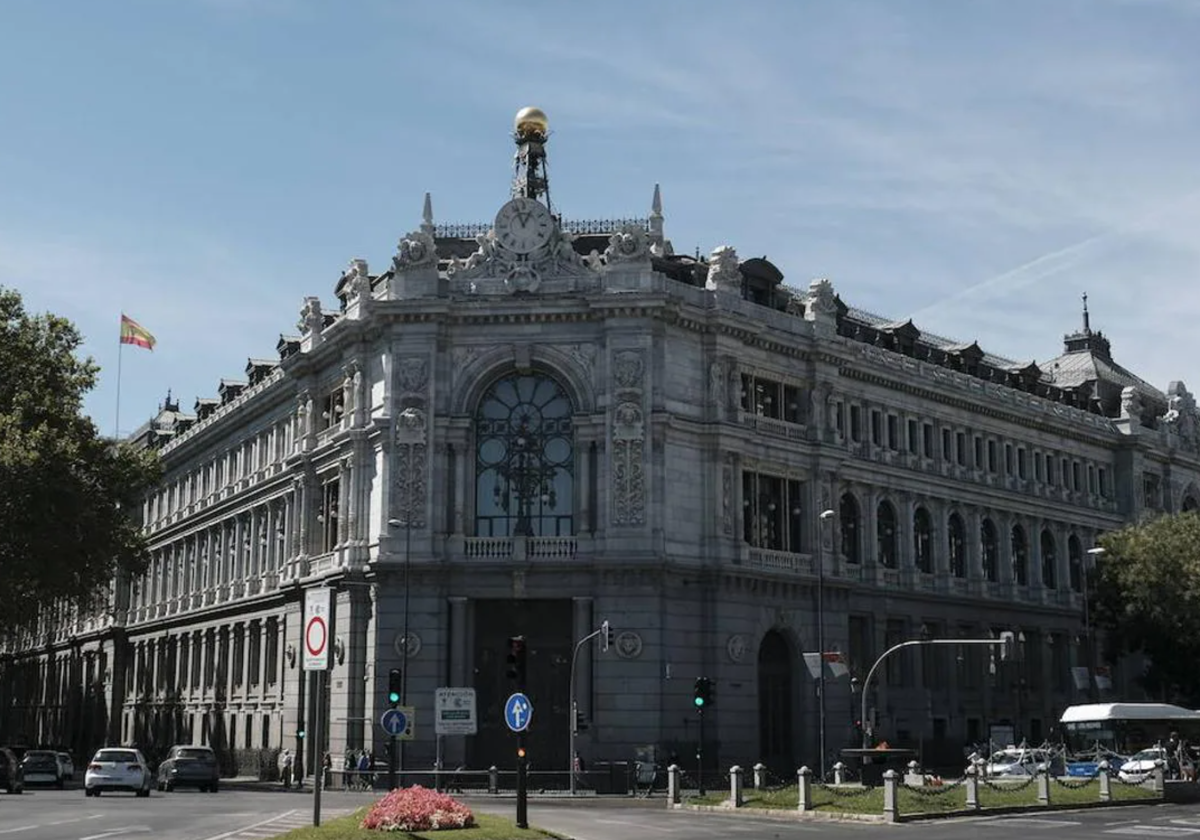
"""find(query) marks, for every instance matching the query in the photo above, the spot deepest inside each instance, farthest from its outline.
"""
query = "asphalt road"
(260, 814)
(610, 819)
(41, 814)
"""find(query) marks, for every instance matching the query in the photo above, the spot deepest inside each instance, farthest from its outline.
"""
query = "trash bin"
(873, 763)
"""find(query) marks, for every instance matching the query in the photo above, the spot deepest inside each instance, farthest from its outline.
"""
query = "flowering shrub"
(417, 808)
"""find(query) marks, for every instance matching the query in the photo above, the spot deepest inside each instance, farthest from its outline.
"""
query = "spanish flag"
(134, 333)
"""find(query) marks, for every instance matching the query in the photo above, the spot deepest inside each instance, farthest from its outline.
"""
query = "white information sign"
(454, 711)
(315, 641)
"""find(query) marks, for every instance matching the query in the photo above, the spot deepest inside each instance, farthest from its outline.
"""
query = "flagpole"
(117, 430)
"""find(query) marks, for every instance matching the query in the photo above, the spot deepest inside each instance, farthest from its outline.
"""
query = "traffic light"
(300, 730)
(516, 660)
(606, 636)
(395, 684)
(581, 723)
(520, 752)
(702, 693)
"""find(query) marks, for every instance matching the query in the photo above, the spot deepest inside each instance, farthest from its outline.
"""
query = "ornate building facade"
(532, 426)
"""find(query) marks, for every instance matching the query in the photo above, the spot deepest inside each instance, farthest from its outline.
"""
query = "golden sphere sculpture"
(531, 121)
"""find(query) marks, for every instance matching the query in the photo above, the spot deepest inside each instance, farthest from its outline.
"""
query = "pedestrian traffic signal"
(606, 636)
(516, 660)
(1008, 645)
(395, 685)
(702, 693)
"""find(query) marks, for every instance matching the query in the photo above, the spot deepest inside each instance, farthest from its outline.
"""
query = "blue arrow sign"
(394, 722)
(517, 712)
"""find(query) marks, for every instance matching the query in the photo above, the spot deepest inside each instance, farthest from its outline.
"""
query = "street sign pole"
(700, 752)
(318, 615)
(393, 746)
(522, 784)
(319, 741)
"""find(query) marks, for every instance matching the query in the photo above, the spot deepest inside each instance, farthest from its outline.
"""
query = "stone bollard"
(839, 774)
(890, 811)
(804, 783)
(674, 794)
(914, 777)
(1043, 784)
(971, 782)
(1105, 781)
(760, 776)
(493, 779)
(735, 786)
(1156, 777)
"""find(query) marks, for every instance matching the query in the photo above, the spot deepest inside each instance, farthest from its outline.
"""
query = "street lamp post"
(1089, 657)
(825, 515)
(407, 525)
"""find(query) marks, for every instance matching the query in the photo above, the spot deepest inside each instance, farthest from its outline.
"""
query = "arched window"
(990, 543)
(849, 518)
(1020, 556)
(1075, 563)
(923, 540)
(525, 458)
(885, 534)
(1049, 560)
(956, 543)
(1190, 504)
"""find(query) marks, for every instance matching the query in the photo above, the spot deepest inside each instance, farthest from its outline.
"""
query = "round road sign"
(316, 636)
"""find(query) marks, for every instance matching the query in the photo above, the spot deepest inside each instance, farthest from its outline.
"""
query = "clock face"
(523, 225)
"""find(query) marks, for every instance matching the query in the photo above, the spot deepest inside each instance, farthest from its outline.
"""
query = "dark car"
(12, 775)
(41, 767)
(189, 766)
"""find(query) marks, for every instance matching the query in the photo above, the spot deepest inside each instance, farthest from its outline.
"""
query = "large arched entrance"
(775, 713)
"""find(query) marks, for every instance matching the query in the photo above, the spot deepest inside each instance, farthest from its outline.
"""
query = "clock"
(523, 225)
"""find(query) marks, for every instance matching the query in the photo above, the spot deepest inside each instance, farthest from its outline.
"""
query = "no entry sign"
(315, 641)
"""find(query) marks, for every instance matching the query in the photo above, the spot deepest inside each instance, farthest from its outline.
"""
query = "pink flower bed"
(417, 808)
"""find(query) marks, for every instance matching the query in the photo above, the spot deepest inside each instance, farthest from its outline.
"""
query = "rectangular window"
(978, 453)
(1021, 463)
(1037, 466)
(1103, 482)
(1076, 483)
(1008, 459)
(876, 428)
(792, 404)
(947, 446)
(927, 440)
(1091, 478)
(991, 456)
(327, 517)
(1065, 472)
(893, 432)
(1050, 470)
(913, 441)
(856, 423)
(839, 412)
(960, 448)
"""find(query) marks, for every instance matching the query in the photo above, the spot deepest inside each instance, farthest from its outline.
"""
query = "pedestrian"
(285, 767)
(327, 770)
(348, 765)
(364, 768)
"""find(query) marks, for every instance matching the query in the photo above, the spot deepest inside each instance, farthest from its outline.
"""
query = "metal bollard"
(804, 783)
(839, 774)
(1043, 784)
(735, 786)
(971, 780)
(1105, 781)
(674, 794)
(760, 776)
(493, 779)
(890, 810)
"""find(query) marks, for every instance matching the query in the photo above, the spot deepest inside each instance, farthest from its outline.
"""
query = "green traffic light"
(699, 701)
(394, 697)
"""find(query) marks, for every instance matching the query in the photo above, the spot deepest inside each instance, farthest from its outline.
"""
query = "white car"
(1141, 764)
(118, 768)
(1016, 762)
(66, 766)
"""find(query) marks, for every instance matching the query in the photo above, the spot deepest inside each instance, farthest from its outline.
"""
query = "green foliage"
(1147, 597)
(68, 498)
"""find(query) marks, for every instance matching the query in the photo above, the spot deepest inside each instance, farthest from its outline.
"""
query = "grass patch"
(488, 827)
(852, 801)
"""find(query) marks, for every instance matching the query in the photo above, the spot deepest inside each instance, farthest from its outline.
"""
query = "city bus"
(1115, 731)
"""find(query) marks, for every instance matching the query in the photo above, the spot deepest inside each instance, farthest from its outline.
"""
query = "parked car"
(190, 766)
(1141, 764)
(41, 768)
(66, 766)
(117, 768)
(12, 775)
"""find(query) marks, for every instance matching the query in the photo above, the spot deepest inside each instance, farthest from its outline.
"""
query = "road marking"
(1143, 830)
(1033, 822)
(249, 827)
(112, 832)
(76, 819)
(19, 828)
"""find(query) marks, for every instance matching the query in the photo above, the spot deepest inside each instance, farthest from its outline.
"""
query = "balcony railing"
(780, 561)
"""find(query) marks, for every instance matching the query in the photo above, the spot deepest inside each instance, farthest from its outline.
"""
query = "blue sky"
(203, 165)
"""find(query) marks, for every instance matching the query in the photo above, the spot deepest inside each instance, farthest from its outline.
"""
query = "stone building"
(534, 425)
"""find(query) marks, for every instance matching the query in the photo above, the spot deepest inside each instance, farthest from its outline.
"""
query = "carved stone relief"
(723, 272)
(628, 368)
(727, 495)
(412, 374)
(416, 250)
(627, 245)
(628, 434)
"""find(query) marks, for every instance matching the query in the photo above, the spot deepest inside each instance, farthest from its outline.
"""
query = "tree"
(1147, 597)
(69, 499)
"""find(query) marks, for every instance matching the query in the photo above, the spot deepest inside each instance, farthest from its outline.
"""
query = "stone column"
(735, 786)
(971, 781)
(673, 785)
(804, 789)
(890, 810)
(1105, 781)
(1043, 784)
